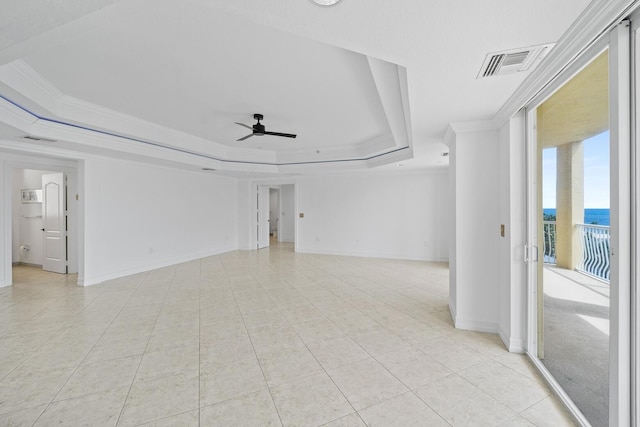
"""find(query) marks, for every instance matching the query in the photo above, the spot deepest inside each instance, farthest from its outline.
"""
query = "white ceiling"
(197, 66)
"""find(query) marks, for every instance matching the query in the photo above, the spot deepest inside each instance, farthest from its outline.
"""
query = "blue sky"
(596, 173)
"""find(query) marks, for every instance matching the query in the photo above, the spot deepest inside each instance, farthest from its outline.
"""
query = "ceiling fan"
(258, 129)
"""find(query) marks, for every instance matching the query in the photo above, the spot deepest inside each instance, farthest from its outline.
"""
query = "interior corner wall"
(474, 277)
(138, 217)
(512, 269)
(401, 216)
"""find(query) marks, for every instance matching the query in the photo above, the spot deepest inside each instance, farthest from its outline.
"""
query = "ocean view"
(591, 216)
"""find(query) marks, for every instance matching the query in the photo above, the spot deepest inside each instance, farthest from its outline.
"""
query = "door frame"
(263, 213)
(275, 183)
(616, 40)
(73, 170)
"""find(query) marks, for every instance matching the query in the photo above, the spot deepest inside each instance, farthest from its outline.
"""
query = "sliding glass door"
(579, 219)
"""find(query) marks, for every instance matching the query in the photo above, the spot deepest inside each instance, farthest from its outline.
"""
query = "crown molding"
(22, 78)
(592, 24)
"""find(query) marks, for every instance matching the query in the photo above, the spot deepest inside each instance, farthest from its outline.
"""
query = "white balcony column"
(569, 203)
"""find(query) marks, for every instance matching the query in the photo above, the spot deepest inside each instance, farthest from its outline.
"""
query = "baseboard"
(513, 345)
(28, 264)
(370, 255)
(82, 281)
(475, 325)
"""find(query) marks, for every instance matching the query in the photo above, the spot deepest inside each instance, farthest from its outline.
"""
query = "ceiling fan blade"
(245, 137)
(286, 135)
(242, 124)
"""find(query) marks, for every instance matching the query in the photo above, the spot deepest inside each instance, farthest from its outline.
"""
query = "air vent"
(208, 169)
(34, 138)
(513, 61)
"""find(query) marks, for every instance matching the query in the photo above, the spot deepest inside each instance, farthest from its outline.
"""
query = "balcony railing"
(596, 250)
(549, 242)
(596, 244)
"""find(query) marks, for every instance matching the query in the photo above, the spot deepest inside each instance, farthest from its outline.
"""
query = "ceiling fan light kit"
(259, 130)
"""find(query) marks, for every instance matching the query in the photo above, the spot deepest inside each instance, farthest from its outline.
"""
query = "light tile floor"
(257, 338)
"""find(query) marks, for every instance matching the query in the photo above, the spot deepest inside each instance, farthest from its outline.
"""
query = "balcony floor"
(576, 339)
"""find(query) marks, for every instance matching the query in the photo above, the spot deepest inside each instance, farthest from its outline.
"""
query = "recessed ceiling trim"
(111, 134)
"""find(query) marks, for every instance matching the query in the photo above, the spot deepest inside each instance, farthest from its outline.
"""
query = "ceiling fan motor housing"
(258, 129)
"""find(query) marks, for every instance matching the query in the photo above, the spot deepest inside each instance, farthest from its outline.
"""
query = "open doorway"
(39, 223)
(275, 215)
(41, 226)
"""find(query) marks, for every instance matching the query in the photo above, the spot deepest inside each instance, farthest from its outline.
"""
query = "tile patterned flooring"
(258, 338)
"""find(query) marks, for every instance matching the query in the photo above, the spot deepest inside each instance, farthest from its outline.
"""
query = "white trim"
(591, 25)
(452, 312)
(474, 325)
(531, 329)
(513, 345)
(377, 255)
(620, 309)
(635, 220)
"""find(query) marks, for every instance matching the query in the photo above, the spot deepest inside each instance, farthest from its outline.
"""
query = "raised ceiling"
(363, 84)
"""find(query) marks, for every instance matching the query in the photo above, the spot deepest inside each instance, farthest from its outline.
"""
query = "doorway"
(41, 220)
(275, 214)
(579, 219)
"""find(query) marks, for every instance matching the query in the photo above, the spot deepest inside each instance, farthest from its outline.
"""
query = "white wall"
(287, 214)
(402, 216)
(246, 214)
(138, 217)
(474, 278)
(26, 219)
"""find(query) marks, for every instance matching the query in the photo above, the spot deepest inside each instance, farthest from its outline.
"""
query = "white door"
(263, 216)
(54, 239)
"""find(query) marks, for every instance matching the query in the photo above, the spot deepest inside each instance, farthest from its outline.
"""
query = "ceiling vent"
(513, 61)
(34, 138)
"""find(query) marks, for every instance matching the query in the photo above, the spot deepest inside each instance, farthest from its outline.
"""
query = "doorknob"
(42, 229)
